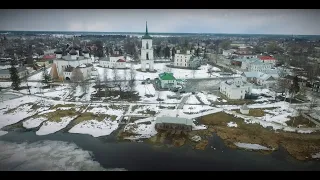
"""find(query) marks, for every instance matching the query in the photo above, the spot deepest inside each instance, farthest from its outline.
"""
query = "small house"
(167, 80)
(176, 124)
(244, 109)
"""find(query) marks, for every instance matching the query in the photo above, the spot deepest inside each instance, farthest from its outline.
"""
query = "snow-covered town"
(247, 101)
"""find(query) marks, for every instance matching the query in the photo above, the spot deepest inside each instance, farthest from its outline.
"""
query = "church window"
(147, 45)
(147, 56)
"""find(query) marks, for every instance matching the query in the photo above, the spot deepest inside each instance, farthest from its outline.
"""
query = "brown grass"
(63, 105)
(257, 112)
(58, 114)
(298, 145)
(300, 120)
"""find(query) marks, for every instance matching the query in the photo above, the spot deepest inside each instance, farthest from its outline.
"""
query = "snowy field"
(47, 156)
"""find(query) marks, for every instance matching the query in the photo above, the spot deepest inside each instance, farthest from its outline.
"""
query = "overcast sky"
(264, 21)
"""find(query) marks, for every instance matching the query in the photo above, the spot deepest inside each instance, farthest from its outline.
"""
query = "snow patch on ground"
(50, 127)
(95, 128)
(33, 122)
(203, 98)
(143, 130)
(198, 127)
(316, 156)
(251, 146)
(195, 109)
(232, 124)
(305, 131)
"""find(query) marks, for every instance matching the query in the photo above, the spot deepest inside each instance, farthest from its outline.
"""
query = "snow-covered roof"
(121, 60)
(244, 107)
(68, 58)
(104, 59)
(73, 52)
(252, 74)
(265, 76)
(174, 120)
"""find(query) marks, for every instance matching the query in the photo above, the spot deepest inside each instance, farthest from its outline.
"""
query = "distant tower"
(147, 51)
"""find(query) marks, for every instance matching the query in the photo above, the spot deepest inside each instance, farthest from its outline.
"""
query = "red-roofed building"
(113, 62)
(49, 56)
(267, 59)
(46, 59)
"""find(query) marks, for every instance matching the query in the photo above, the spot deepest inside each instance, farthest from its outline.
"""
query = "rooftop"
(166, 76)
(174, 120)
(266, 58)
(146, 35)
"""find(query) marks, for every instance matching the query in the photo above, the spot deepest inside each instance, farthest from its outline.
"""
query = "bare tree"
(283, 84)
(210, 70)
(193, 72)
(116, 81)
(106, 81)
(77, 76)
(98, 83)
(76, 79)
(132, 78)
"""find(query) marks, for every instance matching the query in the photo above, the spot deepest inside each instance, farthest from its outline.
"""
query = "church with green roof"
(167, 80)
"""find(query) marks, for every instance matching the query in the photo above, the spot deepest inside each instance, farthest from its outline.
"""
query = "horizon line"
(154, 32)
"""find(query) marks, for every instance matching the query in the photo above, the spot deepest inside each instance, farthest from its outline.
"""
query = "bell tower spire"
(147, 28)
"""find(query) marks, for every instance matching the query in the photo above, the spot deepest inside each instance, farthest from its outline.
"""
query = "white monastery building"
(115, 60)
(235, 88)
(64, 66)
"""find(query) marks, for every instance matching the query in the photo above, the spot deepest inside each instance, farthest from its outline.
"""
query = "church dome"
(73, 52)
(85, 50)
(76, 47)
(58, 51)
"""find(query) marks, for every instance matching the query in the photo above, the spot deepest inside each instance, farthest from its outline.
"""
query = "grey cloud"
(264, 21)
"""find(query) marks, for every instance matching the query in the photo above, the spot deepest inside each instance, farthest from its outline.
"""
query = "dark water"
(141, 156)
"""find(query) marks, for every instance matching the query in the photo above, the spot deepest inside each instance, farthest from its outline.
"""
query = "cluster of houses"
(5, 65)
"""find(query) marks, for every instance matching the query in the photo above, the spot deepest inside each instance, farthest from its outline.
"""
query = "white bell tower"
(147, 52)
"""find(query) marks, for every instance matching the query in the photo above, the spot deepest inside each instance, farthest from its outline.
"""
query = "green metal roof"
(166, 76)
(146, 35)
(174, 120)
